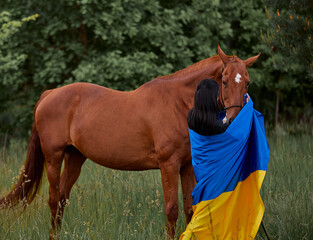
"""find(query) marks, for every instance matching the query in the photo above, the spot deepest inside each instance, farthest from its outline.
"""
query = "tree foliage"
(292, 21)
(289, 45)
(122, 44)
(11, 60)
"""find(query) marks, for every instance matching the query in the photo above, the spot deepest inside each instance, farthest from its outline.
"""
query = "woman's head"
(202, 117)
(206, 96)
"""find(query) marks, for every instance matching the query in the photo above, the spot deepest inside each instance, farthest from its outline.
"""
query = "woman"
(229, 163)
(202, 118)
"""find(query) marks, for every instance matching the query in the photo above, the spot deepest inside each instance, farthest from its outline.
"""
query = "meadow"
(118, 205)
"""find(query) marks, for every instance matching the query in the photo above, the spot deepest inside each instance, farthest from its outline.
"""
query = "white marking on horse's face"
(238, 78)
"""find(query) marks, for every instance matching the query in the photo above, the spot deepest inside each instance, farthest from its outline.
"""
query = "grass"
(111, 204)
(287, 188)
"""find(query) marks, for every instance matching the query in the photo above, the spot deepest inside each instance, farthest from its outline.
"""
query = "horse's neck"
(185, 82)
(182, 84)
(192, 75)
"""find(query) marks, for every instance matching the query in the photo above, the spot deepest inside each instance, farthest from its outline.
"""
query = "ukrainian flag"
(229, 170)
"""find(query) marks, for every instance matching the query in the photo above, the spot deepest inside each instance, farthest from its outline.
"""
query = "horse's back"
(58, 105)
(104, 124)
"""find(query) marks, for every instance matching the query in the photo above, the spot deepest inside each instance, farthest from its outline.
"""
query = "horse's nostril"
(230, 120)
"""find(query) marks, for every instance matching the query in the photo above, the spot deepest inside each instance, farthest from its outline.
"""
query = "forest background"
(122, 44)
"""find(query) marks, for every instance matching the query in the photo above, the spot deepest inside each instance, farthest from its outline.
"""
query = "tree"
(117, 44)
(292, 21)
(288, 42)
(122, 44)
(11, 59)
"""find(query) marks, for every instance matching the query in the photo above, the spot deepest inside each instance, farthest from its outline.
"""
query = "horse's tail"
(30, 178)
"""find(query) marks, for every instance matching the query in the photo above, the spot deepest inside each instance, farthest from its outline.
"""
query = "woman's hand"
(248, 98)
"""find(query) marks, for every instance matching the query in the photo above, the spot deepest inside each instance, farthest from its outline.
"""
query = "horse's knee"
(171, 211)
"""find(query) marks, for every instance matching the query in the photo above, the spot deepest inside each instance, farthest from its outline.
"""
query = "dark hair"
(202, 118)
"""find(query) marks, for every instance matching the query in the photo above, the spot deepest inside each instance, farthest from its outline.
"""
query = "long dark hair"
(202, 117)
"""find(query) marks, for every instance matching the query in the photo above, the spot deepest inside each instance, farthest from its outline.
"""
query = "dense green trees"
(12, 59)
(289, 43)
(123, 43)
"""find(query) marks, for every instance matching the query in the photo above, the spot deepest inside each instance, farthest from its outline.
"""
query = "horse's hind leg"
(73, 162)
(54, 163)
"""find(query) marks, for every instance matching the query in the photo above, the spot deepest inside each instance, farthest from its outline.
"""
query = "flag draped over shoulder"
(229, 169)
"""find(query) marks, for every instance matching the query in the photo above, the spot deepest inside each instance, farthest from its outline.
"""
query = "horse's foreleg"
(73, 162)
(170, 176)
(54, 164)
(188, 183)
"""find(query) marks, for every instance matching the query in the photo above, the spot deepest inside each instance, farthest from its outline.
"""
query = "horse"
(137, 130)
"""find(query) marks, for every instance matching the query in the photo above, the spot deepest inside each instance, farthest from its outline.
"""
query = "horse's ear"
(248, 62)
(222, 55)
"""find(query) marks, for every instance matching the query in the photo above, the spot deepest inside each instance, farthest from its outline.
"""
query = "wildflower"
(157, 202)
(157, 193)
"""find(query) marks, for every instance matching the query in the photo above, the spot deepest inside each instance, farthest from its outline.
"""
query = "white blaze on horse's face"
(238, 78)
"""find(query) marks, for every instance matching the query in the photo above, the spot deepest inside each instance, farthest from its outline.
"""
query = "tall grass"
(111, 204)
(287, 190)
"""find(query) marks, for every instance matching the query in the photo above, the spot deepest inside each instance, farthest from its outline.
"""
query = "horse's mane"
(192, 68)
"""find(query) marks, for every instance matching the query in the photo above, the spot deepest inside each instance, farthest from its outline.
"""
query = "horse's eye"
(224, 83)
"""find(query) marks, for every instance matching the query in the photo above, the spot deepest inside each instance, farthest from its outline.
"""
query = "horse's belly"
(126, 164)
(127, 151)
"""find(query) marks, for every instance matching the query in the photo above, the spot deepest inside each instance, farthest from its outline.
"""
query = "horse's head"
(234, 83)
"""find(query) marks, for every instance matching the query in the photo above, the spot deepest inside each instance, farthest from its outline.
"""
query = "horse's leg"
(73, 161)
(170, 176)
(54, 164)
(188, 183)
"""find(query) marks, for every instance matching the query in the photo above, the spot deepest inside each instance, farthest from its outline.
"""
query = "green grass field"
(110, 204)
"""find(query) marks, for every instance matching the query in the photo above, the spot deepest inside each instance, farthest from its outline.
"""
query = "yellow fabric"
(232, 215)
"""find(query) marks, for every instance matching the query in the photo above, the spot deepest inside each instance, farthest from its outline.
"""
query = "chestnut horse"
(137, 130)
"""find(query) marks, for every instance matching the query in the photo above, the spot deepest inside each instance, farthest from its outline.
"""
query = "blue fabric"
(221, 161)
